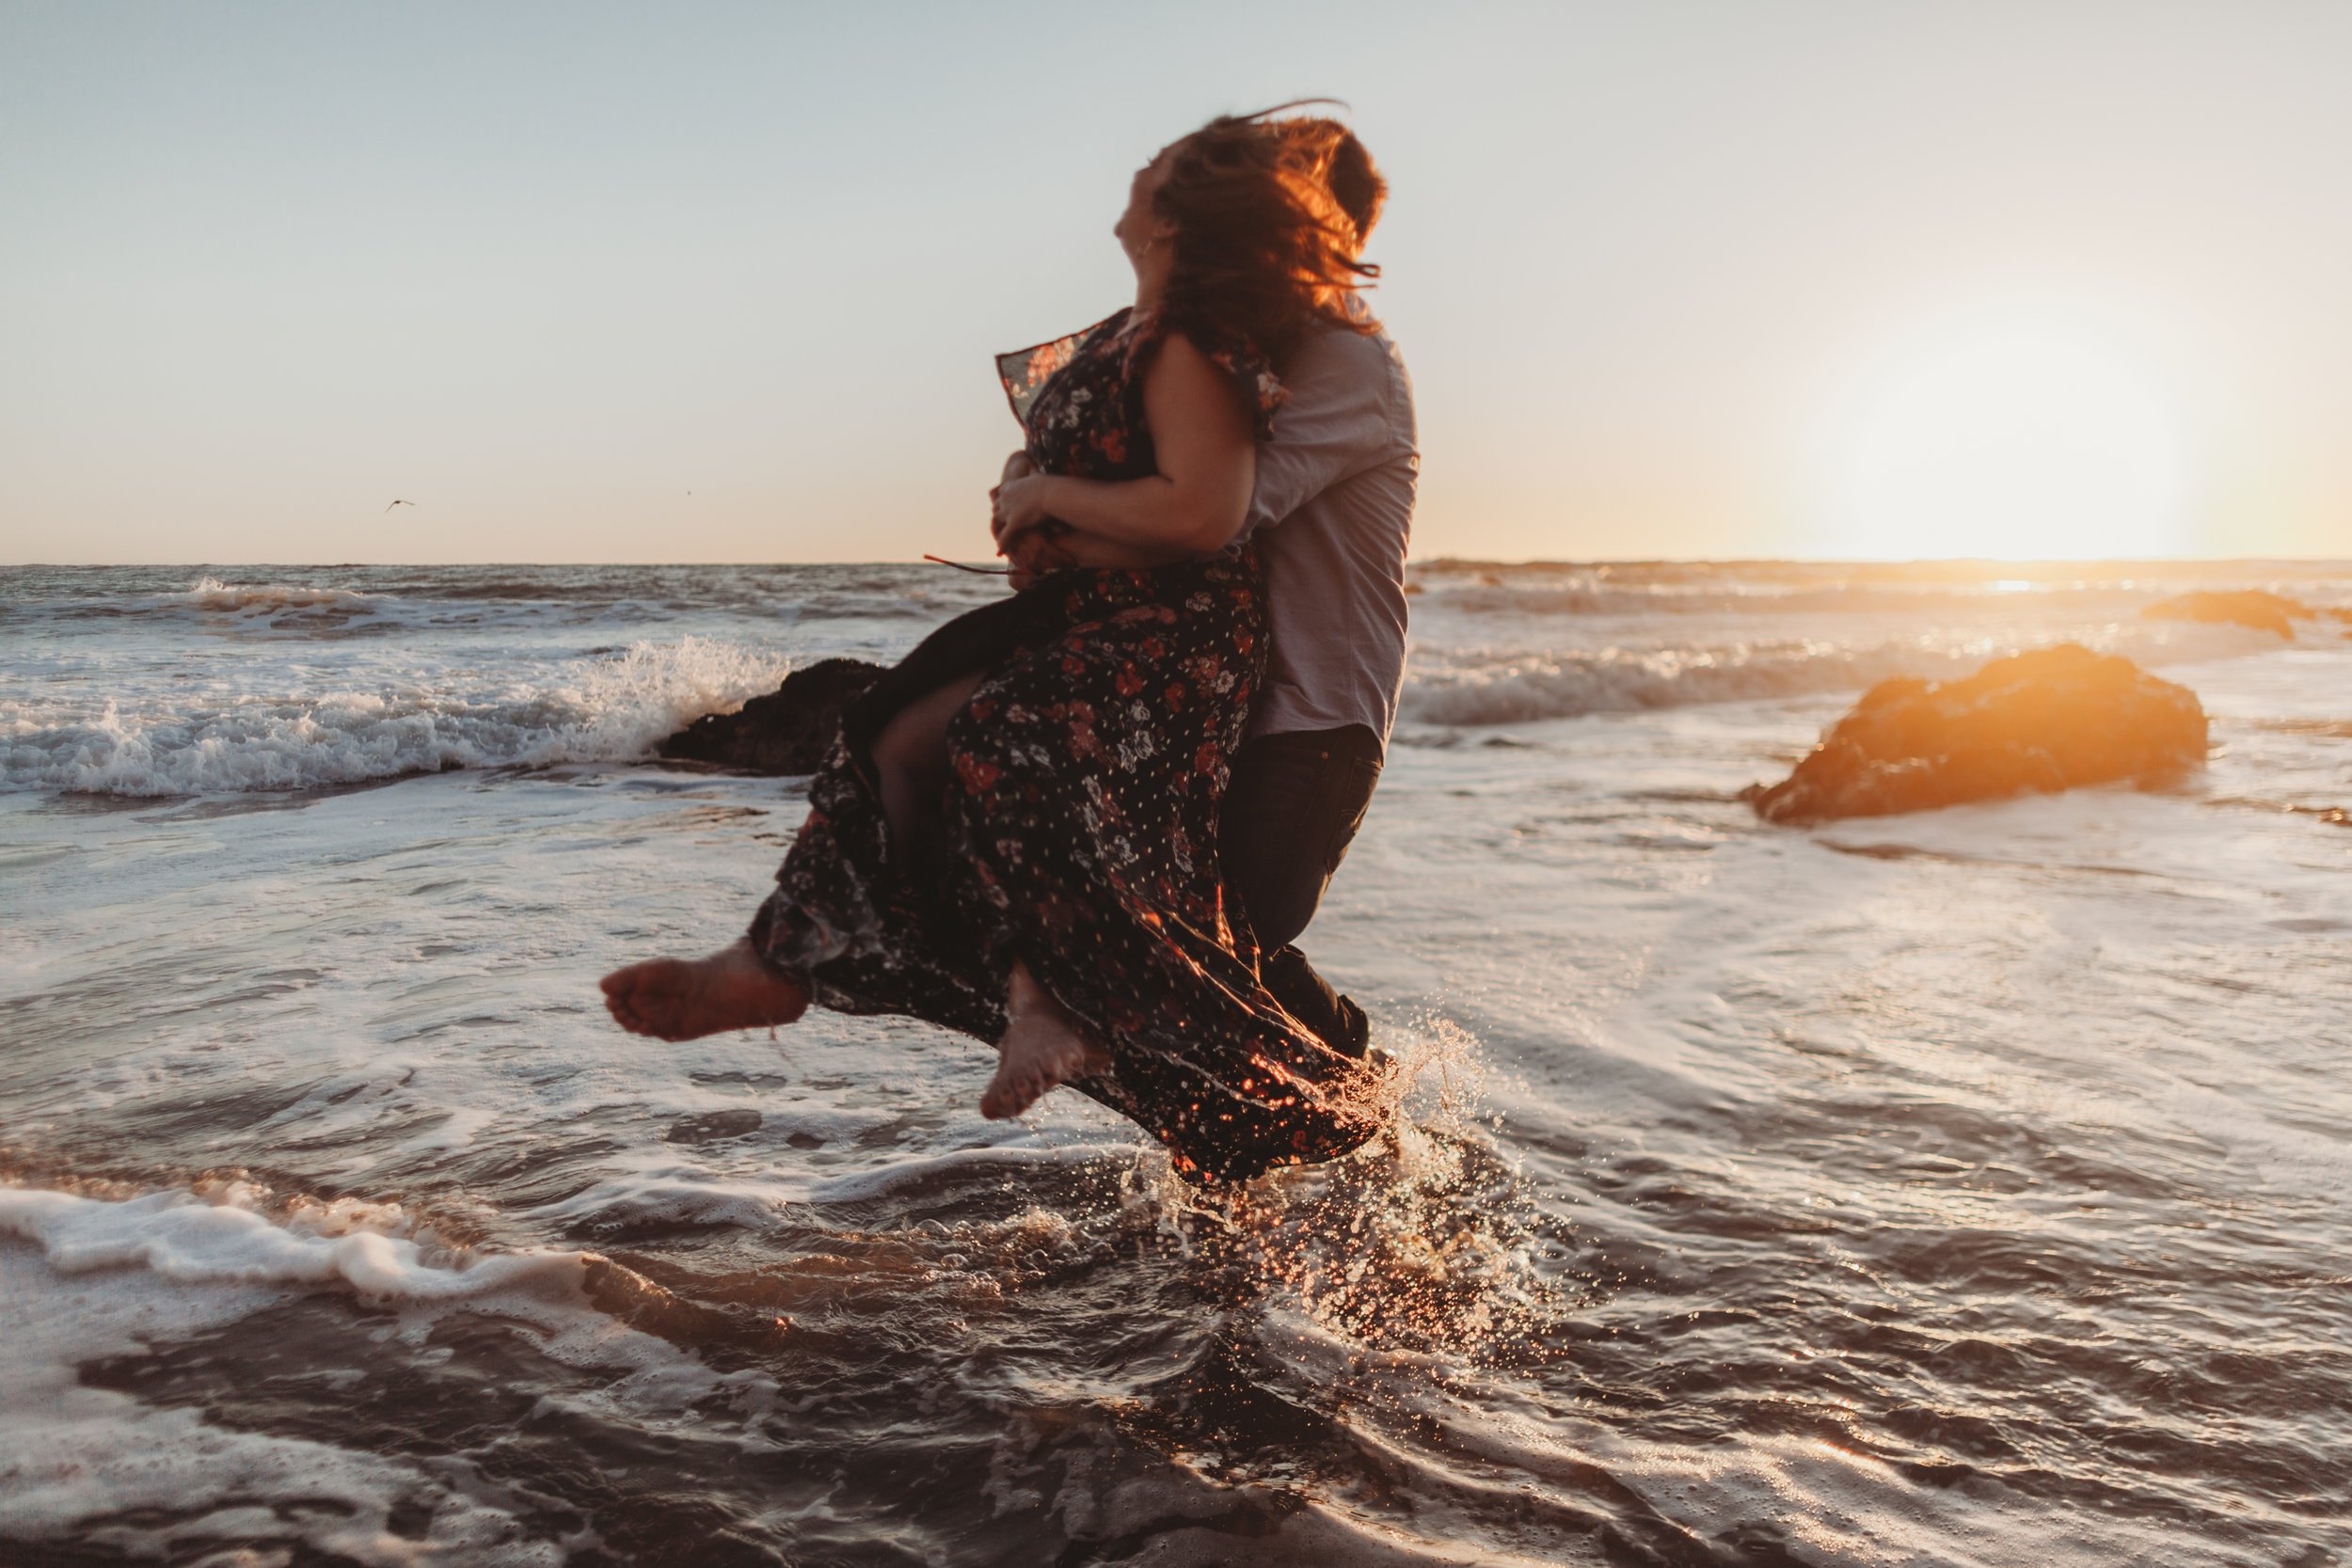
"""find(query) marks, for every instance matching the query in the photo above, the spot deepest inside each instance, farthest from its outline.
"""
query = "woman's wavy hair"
(1271, 215)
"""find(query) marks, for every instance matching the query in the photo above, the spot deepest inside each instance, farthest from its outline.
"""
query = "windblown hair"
(1271, 216)
(1345, 168)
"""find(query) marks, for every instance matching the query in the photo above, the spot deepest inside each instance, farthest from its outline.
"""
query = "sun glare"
(2021, 435)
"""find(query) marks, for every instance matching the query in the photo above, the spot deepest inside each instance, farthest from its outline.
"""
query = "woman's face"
(1138, 225)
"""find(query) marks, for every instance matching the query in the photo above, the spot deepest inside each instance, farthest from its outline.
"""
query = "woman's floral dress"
(1081, 814)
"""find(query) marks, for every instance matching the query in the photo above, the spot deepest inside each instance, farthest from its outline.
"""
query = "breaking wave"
(591, 710)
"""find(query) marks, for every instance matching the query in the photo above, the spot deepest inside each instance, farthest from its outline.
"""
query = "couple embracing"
(1086, 822)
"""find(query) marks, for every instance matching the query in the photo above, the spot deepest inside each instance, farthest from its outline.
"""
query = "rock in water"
(2250, 606)
(2043, 721)
(788, 730)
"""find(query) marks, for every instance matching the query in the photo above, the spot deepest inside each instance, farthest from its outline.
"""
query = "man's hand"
(1037, 553)
(1016, 466)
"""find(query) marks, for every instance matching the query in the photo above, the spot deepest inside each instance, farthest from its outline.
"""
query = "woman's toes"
(1008, 1094)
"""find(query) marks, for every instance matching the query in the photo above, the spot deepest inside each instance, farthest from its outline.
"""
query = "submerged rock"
(788, 730)
(2252, 607)
(2045, 721)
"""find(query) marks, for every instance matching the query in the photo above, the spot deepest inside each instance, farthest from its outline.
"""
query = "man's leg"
(1290, 813)
(1309, 998)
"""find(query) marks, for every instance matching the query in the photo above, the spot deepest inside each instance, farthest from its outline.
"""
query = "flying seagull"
(399, 503)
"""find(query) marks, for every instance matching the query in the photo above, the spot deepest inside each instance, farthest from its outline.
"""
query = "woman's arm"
(1207, 459)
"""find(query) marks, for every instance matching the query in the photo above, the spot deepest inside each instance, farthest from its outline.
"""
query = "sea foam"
(611, 709)
(107, 1278)
(181, 1236)
(111, 1278)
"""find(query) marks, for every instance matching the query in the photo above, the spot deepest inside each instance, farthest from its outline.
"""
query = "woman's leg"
(1042, 1046)
(910, 755)
(1042, 1049)
(684, 999)
(841, 927)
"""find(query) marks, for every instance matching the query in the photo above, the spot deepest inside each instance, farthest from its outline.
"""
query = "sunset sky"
(720, 282)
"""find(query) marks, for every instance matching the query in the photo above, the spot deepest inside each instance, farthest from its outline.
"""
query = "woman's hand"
(1015, 507)
(1016, 466)
(1206, 453)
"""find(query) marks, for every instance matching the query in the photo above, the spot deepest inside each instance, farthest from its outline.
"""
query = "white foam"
(591, 710)
(113, 1277)
(232, 1234)
(182, 1237)
(84, 1464)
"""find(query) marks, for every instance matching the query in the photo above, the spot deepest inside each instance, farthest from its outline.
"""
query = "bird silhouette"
(399, 503)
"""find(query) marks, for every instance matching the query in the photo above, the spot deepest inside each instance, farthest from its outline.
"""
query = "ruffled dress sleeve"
(1024, 372)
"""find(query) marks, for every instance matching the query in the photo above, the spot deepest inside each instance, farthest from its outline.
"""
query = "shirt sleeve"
(1333, 425)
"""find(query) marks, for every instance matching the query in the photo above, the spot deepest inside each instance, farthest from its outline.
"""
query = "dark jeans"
(1294, 805)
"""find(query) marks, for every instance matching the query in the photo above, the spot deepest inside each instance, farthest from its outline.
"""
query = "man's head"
(1264, 220)
(1344, 165)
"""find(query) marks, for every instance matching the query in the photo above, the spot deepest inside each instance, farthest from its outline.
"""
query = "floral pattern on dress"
(1081, 810)
(1063, 390)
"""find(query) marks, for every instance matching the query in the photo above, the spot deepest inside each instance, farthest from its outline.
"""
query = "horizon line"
(1434, 560)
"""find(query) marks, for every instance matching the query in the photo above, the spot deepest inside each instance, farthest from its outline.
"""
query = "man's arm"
(1334, 425)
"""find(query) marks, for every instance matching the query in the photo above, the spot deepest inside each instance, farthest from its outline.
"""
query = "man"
(1331, 516)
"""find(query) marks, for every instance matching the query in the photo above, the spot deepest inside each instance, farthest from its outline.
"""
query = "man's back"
(1332, 515)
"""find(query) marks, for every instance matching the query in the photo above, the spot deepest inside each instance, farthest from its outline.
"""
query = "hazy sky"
(1673, 279)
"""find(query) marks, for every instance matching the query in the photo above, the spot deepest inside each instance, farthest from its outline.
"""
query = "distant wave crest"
(1521, 688)
(322, 602)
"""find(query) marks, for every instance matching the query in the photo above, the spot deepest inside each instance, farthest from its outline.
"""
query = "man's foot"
(1043, 1048)
(684, 999)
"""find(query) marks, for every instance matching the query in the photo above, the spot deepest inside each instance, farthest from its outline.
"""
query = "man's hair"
(1344, 166)
(1271, 215)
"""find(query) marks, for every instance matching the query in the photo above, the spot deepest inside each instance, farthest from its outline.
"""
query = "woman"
(1015, 835)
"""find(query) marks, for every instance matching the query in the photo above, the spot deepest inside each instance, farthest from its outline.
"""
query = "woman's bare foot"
(684, 999)
(1042, 1046)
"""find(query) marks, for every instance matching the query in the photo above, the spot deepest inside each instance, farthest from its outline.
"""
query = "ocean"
(1957, 1188)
